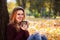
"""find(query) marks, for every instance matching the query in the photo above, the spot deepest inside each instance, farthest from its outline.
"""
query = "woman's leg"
(43, 37)
(35, 36)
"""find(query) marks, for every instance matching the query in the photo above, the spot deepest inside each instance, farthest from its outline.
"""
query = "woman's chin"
(20, 20)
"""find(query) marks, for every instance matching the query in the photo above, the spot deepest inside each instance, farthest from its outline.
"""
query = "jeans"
(44, 37)
(37, 36)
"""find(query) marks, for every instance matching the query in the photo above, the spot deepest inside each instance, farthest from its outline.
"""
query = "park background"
(43, 16)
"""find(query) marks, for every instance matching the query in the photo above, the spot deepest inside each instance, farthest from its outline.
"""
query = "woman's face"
(19, 16)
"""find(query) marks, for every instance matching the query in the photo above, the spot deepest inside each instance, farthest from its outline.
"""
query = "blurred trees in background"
(10, 6)
(21, 3)
(56, 8)
(41, 8)
(3, 19)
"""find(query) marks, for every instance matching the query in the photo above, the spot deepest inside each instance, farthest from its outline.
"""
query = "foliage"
(10, 6)
(36, 14)
(44, 8)
(50, 28)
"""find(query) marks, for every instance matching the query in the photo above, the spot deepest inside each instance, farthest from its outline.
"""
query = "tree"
(3, 19)
(36, 5)
(56, 7)
(18, 2)
(21, 3)
(10, 6)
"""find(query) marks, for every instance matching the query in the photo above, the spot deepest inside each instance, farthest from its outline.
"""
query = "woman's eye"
(18, 14)
(22, 14)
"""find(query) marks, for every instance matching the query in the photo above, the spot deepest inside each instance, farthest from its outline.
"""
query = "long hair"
(12, 19)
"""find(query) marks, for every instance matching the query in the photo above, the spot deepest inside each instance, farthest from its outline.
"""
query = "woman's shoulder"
(10, 24)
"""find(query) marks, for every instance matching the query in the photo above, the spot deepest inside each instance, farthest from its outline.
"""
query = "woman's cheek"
(22, 16)
(18, 19)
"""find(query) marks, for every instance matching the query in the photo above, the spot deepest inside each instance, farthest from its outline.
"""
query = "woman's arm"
(26, 35)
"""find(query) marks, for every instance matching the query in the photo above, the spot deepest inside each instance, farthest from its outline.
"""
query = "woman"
(13, 29)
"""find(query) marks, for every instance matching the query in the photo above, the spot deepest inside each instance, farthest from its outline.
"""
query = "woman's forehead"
(20, 11)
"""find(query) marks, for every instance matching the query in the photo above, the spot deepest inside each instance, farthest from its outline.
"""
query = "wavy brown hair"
(12, 19)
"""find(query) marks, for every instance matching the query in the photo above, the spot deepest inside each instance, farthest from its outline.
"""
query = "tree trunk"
(21, 3)
(18, 2)
(3, 19)
(56, 7)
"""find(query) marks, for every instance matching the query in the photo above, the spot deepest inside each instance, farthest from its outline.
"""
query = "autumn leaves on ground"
(48, 27)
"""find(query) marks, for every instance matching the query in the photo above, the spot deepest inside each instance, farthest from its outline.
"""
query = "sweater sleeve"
(26, 35)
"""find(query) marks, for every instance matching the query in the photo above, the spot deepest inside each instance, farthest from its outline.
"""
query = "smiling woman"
(13, 30)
